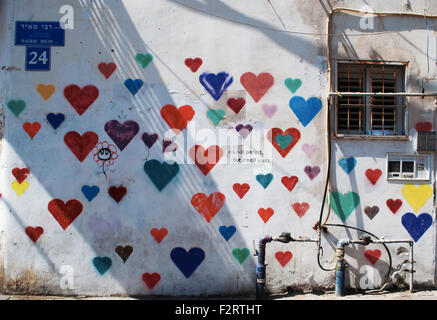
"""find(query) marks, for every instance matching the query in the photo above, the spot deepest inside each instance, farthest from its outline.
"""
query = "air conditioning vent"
(426, 141)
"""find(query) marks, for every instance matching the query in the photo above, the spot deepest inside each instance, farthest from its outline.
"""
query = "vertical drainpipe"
(261, 267)
(340, 267)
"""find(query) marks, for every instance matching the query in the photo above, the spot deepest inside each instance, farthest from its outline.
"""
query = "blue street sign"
(35, 33)
(37, 59)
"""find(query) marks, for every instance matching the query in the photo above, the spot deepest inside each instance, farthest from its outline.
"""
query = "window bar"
(396, 100)
(348, 98)
(360, 125)
(371, 101)
(383, 102)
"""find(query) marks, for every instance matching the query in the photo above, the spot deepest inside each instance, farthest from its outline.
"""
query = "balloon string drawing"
(105, 155)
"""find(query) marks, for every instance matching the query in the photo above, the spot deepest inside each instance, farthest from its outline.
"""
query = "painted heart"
(227, 232)
(107, 69)
(371, 212)
(344, 204)
(143, 59)
(20, 174)
(193, 64)
(312, 172)
(81, 146)
(305, 111)
(257, 86)
(310, 149)
(16, 106)
(241, 189)
(19, 188)
(372, 255)
(269, 110)
(283, 257)
(31, 128)
(244, 130)
(160, 173)
(416, 226)
(348, 164)
(55, 120)
(290, 182)
(300, 208)
(45, 91)
(265, 214)
(133, 85)
(283, 140)
(90, 192)
(275, 132)
(169, 145)
(208, 206)
(151, 279)
(240, 254)
(216, 115)
(124, 252)
(117, 193)
(34, 233)
(102, 264)
(215, 84)
(149, 139)
(205, 160)
(264, 179)
(394, 205)
(121, 134)
(187, 262)
(81, 99)
(373, 175)
(424, 126)
(177, 119)
(236, 104)
(159, 234)
(417, 196)
(65, 213)
(292, 84)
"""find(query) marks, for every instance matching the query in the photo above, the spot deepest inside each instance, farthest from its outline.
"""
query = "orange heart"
(31, 128)
(266, 214)
(45, 91)
(208, 206)
(177, 119)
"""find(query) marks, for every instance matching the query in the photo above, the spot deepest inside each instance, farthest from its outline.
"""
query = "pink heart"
(309, 149)
(269, 110)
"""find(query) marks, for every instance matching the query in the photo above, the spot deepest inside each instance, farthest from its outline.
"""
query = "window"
(370, 115)
(407, 167)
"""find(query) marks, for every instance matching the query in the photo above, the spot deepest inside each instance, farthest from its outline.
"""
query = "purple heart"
(269, 110)
(121, 134)
(168, 146)
(149, 139)
(244, 131)
(312, 172)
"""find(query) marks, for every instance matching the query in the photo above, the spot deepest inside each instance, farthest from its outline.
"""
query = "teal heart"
(344, 204)
(240, 255)
(216, 115)
(102, 264)
(16, 106)
(264, 179)
(293, 84)
(283, 140)
(144, 59)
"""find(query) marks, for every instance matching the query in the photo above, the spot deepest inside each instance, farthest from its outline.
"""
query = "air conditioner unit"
(426, 141)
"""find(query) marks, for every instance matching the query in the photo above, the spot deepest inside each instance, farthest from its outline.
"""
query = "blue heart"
(227, 232)
(416, 226)
(160, 173)
(102, 264)
(187, 262)
(264, 179)
(55, 119)
(215, 84)
(133, 85)
(348, 164)
(90, 192)
(305, 111)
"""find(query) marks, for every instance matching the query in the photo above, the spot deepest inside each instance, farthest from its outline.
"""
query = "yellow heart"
(19, 188)
(417, 196)
(45, 91)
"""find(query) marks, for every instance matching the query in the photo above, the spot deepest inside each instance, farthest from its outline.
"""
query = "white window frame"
(410, 157)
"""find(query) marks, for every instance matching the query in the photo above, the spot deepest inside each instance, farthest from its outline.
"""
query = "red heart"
(205, 160)
(276, 131)
(151, 279)
(31, 128)
(208, 206)
(394, 205)
(424, 126)
(257, 86)
(20, 174)
(241, 189)
(283, 257)
(107, 69)
(236, 104)
(79, 98)
(373, 175)
(34, 233)
(65, 213)
(117, 193)
(81, 146)
(193, 64)
(265, 214)
(289, 182)
(301, 208)
(177, 119)
(159, 234)
(372, 255)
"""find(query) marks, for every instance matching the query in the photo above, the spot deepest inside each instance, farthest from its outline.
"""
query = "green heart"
(293, 84)
(240, 255)
(16, 106)
(216, 115)
(344, 204)
(283, 140)
(144, 59)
